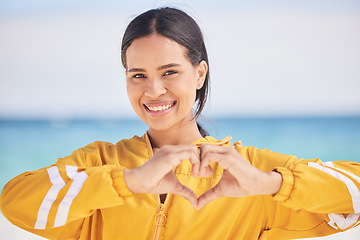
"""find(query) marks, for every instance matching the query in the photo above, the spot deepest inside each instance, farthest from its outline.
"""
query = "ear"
(202, 70)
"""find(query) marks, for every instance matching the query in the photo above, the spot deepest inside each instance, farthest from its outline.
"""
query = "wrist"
(273, 183)
(131, 180)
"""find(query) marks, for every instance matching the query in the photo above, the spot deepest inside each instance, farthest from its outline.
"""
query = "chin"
(165, 123)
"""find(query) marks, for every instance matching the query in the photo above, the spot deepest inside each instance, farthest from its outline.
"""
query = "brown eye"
(169, 73)
(138, 76)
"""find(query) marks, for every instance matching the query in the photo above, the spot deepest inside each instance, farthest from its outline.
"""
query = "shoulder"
(132, 144)
(255, 152)
(102, 152)
(263, 159)
(108, 146)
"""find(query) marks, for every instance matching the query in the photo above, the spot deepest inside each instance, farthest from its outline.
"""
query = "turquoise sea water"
(31, 144)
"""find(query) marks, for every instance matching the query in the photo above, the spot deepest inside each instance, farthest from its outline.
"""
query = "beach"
(42, 142)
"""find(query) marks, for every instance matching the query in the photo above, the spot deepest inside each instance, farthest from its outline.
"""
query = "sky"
(60, 59)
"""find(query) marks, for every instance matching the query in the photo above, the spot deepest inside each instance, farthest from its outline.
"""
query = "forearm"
(72, 192)
(320, 188)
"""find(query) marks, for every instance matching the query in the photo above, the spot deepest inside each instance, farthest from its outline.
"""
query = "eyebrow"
(136, 70)
(159, 68)
(169, 66)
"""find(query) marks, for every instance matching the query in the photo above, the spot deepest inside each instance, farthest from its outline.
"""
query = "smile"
(158, 107)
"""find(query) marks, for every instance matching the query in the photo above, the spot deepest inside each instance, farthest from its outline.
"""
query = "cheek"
(187, 83)
(132, 94)
(188, 93)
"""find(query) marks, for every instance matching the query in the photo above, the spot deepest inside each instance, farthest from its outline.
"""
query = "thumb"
(208, 196)
(186, 193)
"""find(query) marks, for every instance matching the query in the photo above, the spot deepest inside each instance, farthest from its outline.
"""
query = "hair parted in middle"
(179, 27)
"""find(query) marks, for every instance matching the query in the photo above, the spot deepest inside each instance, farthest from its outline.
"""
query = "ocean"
(32, 144)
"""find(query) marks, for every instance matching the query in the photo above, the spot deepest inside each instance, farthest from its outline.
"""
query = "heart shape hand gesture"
(239, 177)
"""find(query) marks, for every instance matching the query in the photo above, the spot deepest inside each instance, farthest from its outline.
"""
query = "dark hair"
(179, 27)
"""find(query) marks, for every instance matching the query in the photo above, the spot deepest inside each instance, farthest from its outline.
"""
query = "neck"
(185, 134)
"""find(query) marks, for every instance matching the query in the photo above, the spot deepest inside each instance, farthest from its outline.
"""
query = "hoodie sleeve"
(46, 200)
(321, 192)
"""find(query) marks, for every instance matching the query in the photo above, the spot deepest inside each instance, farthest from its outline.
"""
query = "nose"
(155, 88)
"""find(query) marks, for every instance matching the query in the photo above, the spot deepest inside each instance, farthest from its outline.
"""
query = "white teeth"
(160, 108)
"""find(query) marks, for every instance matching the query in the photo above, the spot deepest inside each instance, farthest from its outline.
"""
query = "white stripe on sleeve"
(339, 219)
(57, 184)
(352, 188)
(71, 171)
(342, 222)
(79, 179)
(331, 164)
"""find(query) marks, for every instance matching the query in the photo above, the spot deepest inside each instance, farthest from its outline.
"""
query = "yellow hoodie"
(84, 196)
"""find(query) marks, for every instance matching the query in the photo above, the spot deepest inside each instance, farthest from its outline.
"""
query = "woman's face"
(162, 82)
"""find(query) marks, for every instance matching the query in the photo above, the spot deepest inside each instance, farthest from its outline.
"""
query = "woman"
(174, 182)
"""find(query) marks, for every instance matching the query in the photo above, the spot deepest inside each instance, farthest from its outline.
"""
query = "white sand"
(9, 231)
(352, 234)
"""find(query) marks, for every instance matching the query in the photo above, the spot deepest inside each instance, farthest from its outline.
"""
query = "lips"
(159, 107)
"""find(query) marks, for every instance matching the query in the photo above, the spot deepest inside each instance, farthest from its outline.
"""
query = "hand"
(156, 176)
(239, 177)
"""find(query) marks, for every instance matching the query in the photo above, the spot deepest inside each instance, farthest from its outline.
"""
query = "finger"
(165, 162)
(195, 169)
(195, 160)
(191, 153)
(207, 171)
(226, 157)
(204, 163)
(210, 153)
(208, 196)
(169, 157)
(187, 152)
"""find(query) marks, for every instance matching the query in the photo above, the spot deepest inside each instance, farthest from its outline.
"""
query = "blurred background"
(285, 75)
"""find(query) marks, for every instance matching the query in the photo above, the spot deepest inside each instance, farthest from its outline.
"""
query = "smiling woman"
(162, 84)
(175, 182)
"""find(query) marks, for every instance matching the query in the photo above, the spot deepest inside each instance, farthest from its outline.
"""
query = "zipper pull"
(160, 217)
